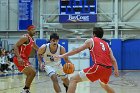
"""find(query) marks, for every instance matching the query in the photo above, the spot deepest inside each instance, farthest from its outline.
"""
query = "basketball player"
(103, 61)
(22, 50)
(53, 67)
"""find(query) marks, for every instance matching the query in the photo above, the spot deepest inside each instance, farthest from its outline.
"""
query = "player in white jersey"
(52, 66)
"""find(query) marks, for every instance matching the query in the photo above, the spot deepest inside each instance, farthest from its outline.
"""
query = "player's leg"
(30, 73)
(107, 88)
(104, 79)
(52, 74)
(55, 83)
(73, 83)
(64, 76)
(65, 82)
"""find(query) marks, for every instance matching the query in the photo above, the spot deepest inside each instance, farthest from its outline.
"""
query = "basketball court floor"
(128, 82)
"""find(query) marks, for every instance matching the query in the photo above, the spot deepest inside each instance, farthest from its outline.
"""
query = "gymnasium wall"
(126, 52)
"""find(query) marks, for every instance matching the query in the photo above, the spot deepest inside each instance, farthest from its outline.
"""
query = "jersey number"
(103, 46)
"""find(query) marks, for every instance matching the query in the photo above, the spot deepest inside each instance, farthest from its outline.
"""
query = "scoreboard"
(78, 11)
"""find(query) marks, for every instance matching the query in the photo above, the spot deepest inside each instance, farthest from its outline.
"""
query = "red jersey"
(100, 52)
(25, 49)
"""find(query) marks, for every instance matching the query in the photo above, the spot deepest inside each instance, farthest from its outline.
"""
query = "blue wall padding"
(116, 46)
(64, 43)
(40, 42)
(131, 54)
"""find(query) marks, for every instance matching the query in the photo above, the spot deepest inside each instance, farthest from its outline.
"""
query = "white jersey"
(53, 66)
(48, 56)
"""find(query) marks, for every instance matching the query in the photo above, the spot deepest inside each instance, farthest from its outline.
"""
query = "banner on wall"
(25, 17)
(77, 18)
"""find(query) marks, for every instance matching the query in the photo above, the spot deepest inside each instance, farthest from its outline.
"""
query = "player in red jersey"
(103, 61)
(22, 49)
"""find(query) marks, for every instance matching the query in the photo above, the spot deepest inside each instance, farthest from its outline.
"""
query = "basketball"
(68, 68)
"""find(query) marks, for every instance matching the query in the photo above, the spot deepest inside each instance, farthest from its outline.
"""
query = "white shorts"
(83, 76)
(55, 69)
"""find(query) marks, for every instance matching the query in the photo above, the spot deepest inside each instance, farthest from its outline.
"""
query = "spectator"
(4, 61)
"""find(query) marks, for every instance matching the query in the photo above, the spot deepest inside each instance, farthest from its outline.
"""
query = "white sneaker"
(25, 91)
(5, 71)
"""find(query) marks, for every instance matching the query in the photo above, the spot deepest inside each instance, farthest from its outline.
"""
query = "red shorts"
(97, 72)
(26, 63)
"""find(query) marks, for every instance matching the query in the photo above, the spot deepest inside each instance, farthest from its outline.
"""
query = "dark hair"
(98, 31)
(54, 36)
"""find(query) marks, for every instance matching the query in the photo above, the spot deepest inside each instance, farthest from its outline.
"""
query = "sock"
(26, 87)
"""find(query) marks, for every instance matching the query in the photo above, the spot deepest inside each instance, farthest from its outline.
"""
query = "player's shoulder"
(43, 46)
(89, 40)
(42, 49)
(24, 35)
(23, 38)
(60, 46)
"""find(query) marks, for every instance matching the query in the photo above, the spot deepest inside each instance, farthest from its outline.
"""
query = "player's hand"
(20, 61)
(116, 73)
(42, 66)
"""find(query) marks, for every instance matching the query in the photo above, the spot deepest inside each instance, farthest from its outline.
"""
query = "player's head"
(54, 39)
(31, 30)
(98, 32)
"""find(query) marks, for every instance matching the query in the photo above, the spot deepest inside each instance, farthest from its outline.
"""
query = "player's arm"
(35, 46)
(19, 43)
(86, 45)
(66, 59)
(41, 51)
(114, 63)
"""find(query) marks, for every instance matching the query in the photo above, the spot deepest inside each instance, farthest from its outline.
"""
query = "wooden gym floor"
(128, 82)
